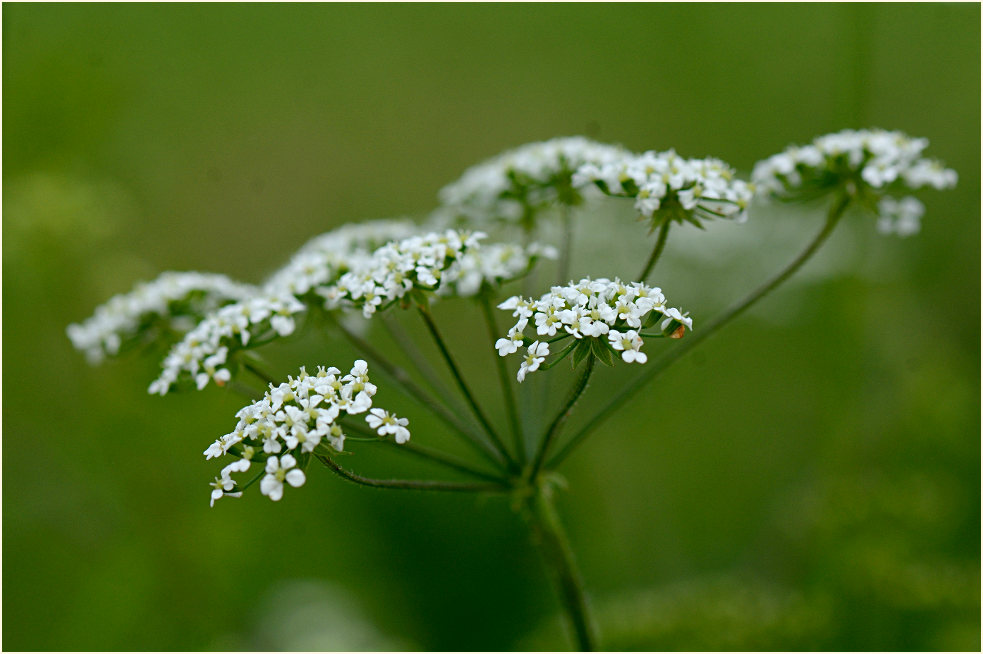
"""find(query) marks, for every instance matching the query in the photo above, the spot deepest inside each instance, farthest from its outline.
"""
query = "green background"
(807, 479)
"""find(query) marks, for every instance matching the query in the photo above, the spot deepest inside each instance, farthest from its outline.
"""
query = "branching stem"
(403, 378)
(463, 386)
(409, 484)
(832, 219)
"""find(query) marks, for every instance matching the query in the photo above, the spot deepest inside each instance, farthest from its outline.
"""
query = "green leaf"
(602, 351)
(580, 353)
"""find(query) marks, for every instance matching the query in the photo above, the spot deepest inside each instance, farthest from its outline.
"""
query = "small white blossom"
(221, 487)
(537, 353)
(279, 471)
(629, 344)
(386, 423)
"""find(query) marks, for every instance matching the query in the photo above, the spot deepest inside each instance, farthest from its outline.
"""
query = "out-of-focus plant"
(376, 269)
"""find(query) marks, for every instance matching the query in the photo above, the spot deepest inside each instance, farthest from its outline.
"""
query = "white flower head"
(171, 303)
(393, 270)
(293, 421)
(868, 164)
(202, 353)
(516, 184)
(667, 187)
(603, 315)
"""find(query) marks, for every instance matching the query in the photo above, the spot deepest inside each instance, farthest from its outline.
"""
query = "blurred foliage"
(806, 480)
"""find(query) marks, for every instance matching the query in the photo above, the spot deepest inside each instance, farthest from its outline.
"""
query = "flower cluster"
(174, 301)
(204, 352)
(870, 159)
(393, 270)
(900, 217)
(326, 257)
(668, 187)
(492, 264)
(611, 313)
(528, 178)
(292, 421)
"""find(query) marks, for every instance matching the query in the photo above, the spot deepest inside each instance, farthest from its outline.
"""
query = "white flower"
(221, 487)
(278, 471)
(901, 217)
(386, 423)
(629, 345)
(513, 341)
(537, 353)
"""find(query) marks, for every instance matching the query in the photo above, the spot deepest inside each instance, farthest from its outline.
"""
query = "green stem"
(254, 368)
(409, 484)
(421, 451)
(504, 380)
(575, 392)
(402, 378)
(416, 357)
(832, 219)
(563, 268)
(447, 461)
(660, 244)
(558, 555)
(463, 387)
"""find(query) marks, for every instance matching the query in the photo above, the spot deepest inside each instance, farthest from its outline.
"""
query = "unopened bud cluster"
(293, 420)
(176, 299)
(610, 312)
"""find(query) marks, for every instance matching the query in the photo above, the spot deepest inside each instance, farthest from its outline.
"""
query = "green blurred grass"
(820, 454)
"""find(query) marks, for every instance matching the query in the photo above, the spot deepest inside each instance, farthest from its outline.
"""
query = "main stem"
(832, 219)
(660, 244)
(558, 556)
(462, 385)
